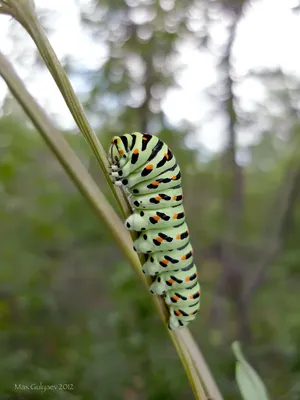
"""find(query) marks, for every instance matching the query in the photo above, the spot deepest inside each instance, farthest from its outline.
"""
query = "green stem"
(24, 13)
(92, 193)
(69, 160)
(27, 17)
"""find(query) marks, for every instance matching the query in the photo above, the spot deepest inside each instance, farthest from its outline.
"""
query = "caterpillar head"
(117, 154)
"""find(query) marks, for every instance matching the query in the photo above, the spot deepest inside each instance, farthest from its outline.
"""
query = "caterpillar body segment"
(155, 239)
(139, 220)
(178, 279)
(185, 313)
(181, 298)
(163, 261)
(148, 172)
(157, 200)
(130, 149)
(180, 317)
(166, 180)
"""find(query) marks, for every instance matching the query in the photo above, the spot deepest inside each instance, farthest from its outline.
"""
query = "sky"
(267, 36)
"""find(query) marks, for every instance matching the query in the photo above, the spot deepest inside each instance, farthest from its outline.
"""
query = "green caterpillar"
(149, 173)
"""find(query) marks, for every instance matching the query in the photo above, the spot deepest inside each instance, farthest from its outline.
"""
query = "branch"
(232, 277)
(283, 206)
(233, 183)
(282, 209)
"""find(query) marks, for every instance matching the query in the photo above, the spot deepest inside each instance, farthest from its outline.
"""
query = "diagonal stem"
(24, 12)
(28, 19)
(105, 212)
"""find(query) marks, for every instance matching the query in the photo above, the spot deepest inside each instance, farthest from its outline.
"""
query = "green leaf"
(249, 383)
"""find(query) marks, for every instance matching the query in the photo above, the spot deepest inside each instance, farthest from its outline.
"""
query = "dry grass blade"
(68, 159)
(92, 193)
(186, 347)
(200, 364)
(23, 11)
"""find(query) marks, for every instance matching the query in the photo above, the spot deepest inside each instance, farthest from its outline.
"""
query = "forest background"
(71, 309)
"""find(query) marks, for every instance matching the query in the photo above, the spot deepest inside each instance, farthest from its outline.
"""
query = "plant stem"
(187, 349)
(68, 159)
(27, 17)
(97, 200)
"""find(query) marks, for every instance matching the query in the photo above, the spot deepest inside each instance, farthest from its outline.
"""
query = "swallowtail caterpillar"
(147, 170)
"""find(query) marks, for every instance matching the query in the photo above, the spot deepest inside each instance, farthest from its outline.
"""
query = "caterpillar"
(148, 172)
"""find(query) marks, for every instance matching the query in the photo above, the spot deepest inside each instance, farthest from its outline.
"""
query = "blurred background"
(219, 81)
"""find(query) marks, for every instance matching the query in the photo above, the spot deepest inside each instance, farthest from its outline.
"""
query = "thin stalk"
(29, 20)
(23, 11)
(97, 200)
(69, 160)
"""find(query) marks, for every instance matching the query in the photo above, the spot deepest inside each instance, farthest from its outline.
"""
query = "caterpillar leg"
(158, 287)
(175, 323)
(115, 174)
(168, 260)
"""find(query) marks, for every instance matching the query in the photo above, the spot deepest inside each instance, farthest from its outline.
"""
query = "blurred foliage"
(71, 311)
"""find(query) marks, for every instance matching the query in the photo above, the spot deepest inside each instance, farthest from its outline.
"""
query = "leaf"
(249, 383)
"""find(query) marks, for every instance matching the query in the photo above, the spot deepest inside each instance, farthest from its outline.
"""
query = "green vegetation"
(71, 309)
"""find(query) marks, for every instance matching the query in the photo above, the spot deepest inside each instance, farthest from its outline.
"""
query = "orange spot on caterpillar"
(166, 155)
(175, 198)
(144, 138)
(149, 167)
(175, 298)
(155, 183)
(178, 236)
(183, 257)
(177, 312)
(135, 151)
(158, 198)
(187, 279)
(174, 178)
(159, 239)
(156, 217)
(121, 152)
(175, 216)
(171, 281)
(166, 262)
